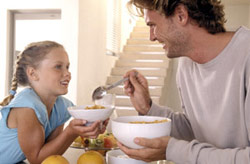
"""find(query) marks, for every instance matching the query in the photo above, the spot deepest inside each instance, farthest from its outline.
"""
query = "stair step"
(140, 23)
(139, 35)
(142, 63)
(158, 58)
(125, 101)
(141, 29)
(152, 81)
(120, 71)
(148, 57)
(152, 55)
(141, 42)
(155, 91)
(144, 48)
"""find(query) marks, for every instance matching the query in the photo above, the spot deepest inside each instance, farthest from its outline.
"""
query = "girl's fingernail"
(136, 140)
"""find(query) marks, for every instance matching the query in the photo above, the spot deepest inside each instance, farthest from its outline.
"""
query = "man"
(212, 79)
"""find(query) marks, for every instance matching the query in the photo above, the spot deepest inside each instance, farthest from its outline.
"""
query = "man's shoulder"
(243, 34)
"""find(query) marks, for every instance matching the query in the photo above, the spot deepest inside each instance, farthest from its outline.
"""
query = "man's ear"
(32, 74)
(181, 14)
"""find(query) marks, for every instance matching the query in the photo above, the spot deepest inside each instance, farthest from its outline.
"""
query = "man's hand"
(155, 149)
(137, 89)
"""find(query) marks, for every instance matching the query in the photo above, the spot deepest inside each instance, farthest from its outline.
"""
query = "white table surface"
(72, 154)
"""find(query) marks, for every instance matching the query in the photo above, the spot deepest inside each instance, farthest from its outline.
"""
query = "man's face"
(166, 31)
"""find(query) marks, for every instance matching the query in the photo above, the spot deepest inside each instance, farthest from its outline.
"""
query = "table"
(72, 154)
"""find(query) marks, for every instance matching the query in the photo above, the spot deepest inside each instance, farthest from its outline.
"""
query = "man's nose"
(152, 36)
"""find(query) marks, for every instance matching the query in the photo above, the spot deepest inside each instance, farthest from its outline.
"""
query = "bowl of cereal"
(119, 157)
(91, 113)
(127, 128)
(102, 110)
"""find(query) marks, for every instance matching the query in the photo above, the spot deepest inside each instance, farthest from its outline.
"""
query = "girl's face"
(53, 73)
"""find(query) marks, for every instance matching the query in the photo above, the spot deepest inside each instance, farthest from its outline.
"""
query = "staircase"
(148, 58)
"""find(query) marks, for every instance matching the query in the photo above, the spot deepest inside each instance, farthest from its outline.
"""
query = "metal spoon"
(99, 92)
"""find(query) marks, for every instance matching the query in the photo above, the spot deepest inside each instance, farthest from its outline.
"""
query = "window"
(113, 27)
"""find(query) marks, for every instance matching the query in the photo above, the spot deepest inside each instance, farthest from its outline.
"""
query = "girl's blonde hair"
(31, 56)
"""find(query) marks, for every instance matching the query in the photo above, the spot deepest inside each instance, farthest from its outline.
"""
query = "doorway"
(28, 26)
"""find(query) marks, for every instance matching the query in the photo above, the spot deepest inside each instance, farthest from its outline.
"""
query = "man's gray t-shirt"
(215, 125)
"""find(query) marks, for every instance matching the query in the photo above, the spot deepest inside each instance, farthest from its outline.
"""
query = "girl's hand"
(79, 128)
(104, 125)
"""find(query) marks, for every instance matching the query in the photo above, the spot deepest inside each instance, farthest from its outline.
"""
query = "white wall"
(237, 15)
(69, 33)
(93, 64)
(3, 40)
(249, 16)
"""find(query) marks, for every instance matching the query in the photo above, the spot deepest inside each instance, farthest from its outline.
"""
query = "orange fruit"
(55, 159)
(91, 157)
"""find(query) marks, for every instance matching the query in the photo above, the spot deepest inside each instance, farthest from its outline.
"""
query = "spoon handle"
(116, 83)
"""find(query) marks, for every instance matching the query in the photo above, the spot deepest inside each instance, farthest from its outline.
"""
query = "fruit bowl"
(127, 128)
(103, 143)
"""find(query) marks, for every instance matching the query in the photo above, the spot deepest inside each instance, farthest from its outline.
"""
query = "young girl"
(32, 121)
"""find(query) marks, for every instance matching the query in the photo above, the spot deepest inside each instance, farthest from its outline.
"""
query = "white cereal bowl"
(119, 157)
(91, 115)
(125, 132)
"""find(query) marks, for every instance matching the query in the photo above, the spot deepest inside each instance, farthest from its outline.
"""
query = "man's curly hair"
(208, 14)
